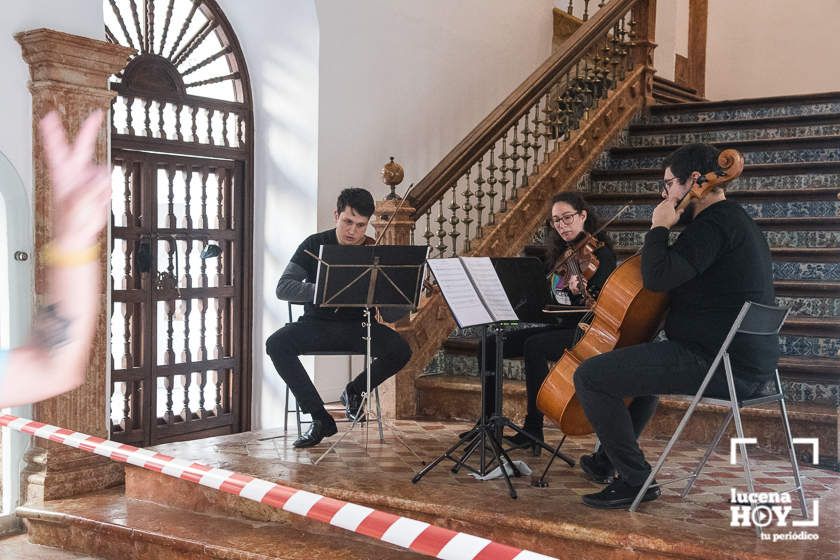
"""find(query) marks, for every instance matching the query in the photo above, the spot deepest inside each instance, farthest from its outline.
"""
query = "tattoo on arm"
(50, 330)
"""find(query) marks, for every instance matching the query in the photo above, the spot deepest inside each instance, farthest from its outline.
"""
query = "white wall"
(410, 79)
(80, 17)
(759, 48)
(280, 41)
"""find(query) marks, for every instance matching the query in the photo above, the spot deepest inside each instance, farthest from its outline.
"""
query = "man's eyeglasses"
(565, 218)
(666, 184)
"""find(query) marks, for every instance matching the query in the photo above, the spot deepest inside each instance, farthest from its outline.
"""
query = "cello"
(626, 313)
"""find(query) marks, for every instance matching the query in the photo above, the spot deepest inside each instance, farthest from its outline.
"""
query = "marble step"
(755, 152)
(110, 525)
(452, 396)
(734, 131)
(783, 176)
(738, 109)
(19, 548)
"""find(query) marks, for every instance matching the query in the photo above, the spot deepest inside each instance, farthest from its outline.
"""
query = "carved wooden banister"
(435, 184)
(541, 140)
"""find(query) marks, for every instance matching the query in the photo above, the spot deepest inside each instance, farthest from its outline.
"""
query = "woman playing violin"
(572, 223)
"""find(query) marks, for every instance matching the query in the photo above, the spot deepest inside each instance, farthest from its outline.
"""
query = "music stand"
(518, 285)
(361, 276)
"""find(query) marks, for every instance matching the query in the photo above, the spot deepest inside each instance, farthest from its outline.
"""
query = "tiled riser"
(750, 158)
(744, 183)
(460, 365)
(814, 307)
(800, 209)
(734, 135)
(806, 271)
(810, 346)
(815, 239)
(746, 113)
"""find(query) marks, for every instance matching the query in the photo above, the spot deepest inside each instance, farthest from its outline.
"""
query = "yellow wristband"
(51, 256)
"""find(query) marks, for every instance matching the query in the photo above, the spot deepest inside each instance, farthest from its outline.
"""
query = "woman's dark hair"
(702, 158)
(555, 244)
(358, 199)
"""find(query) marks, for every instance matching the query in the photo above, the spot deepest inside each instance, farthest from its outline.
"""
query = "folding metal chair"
(753, 319)
(296, 409)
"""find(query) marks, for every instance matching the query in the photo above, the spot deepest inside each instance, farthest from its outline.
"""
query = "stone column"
(398, 395)
(69, 74)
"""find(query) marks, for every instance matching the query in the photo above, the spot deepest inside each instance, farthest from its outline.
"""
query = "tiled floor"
(382, 472)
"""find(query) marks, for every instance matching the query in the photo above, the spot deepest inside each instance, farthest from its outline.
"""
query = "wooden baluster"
(217, 385)
(179, 135)
(515, 157)
(468, 207)
(453, 220)
(223, 194)
(491, 192)
(240, 131)
(161, 133)
(186, 382)
(538, 135)
(220, 313)
(187, 281)
(184, 26)
(526, 145)
(210, 139)
(479, 198)
(194, 126)
(121, 21)
(171, 221)
(127, 360)
(632, 36)
(585, 10)
(503, 169)
(202, 383)
(187, 218)
(168, 385)
(570, 9)
(205, 173)
(441, 234)
(128, 390)
(202, 327)
(129, 118)
(428, 233)
(225, 140)
(166, 23)
(127, 216)
(147, 107)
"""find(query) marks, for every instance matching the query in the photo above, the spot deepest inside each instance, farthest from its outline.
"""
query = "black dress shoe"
(597, 468)
(319, 429)
(619, 494)
(521, 441)
(352, 402)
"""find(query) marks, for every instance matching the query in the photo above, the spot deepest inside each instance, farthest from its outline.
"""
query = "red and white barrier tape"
(411, 534)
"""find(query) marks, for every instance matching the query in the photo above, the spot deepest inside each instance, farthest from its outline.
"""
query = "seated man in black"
(719, 261)
(330, 329)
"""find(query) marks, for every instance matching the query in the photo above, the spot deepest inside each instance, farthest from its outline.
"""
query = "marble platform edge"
(638, 537)
(148, 538)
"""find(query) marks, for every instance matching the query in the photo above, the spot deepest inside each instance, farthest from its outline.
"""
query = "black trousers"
(538, 346)
(389, 350)
(656, 368)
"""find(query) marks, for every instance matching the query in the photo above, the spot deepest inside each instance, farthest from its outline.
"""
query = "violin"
(579, 260)
(626, 313)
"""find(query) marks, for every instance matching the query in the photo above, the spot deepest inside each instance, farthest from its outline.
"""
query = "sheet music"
(460, 295)
(490, 288)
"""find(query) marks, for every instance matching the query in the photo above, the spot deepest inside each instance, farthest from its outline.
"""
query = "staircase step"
(19, 548)
(766, 107)
(769, 209)
(797, 176)
(668, 91)
(445, 396)
(646, 134)
(787, 239)
(783, 150)
(781, 254)
(113, 526)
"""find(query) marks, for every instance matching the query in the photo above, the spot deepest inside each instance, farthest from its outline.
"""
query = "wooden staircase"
(790, 186)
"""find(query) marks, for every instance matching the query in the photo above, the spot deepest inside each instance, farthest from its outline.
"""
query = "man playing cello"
(719, 261)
